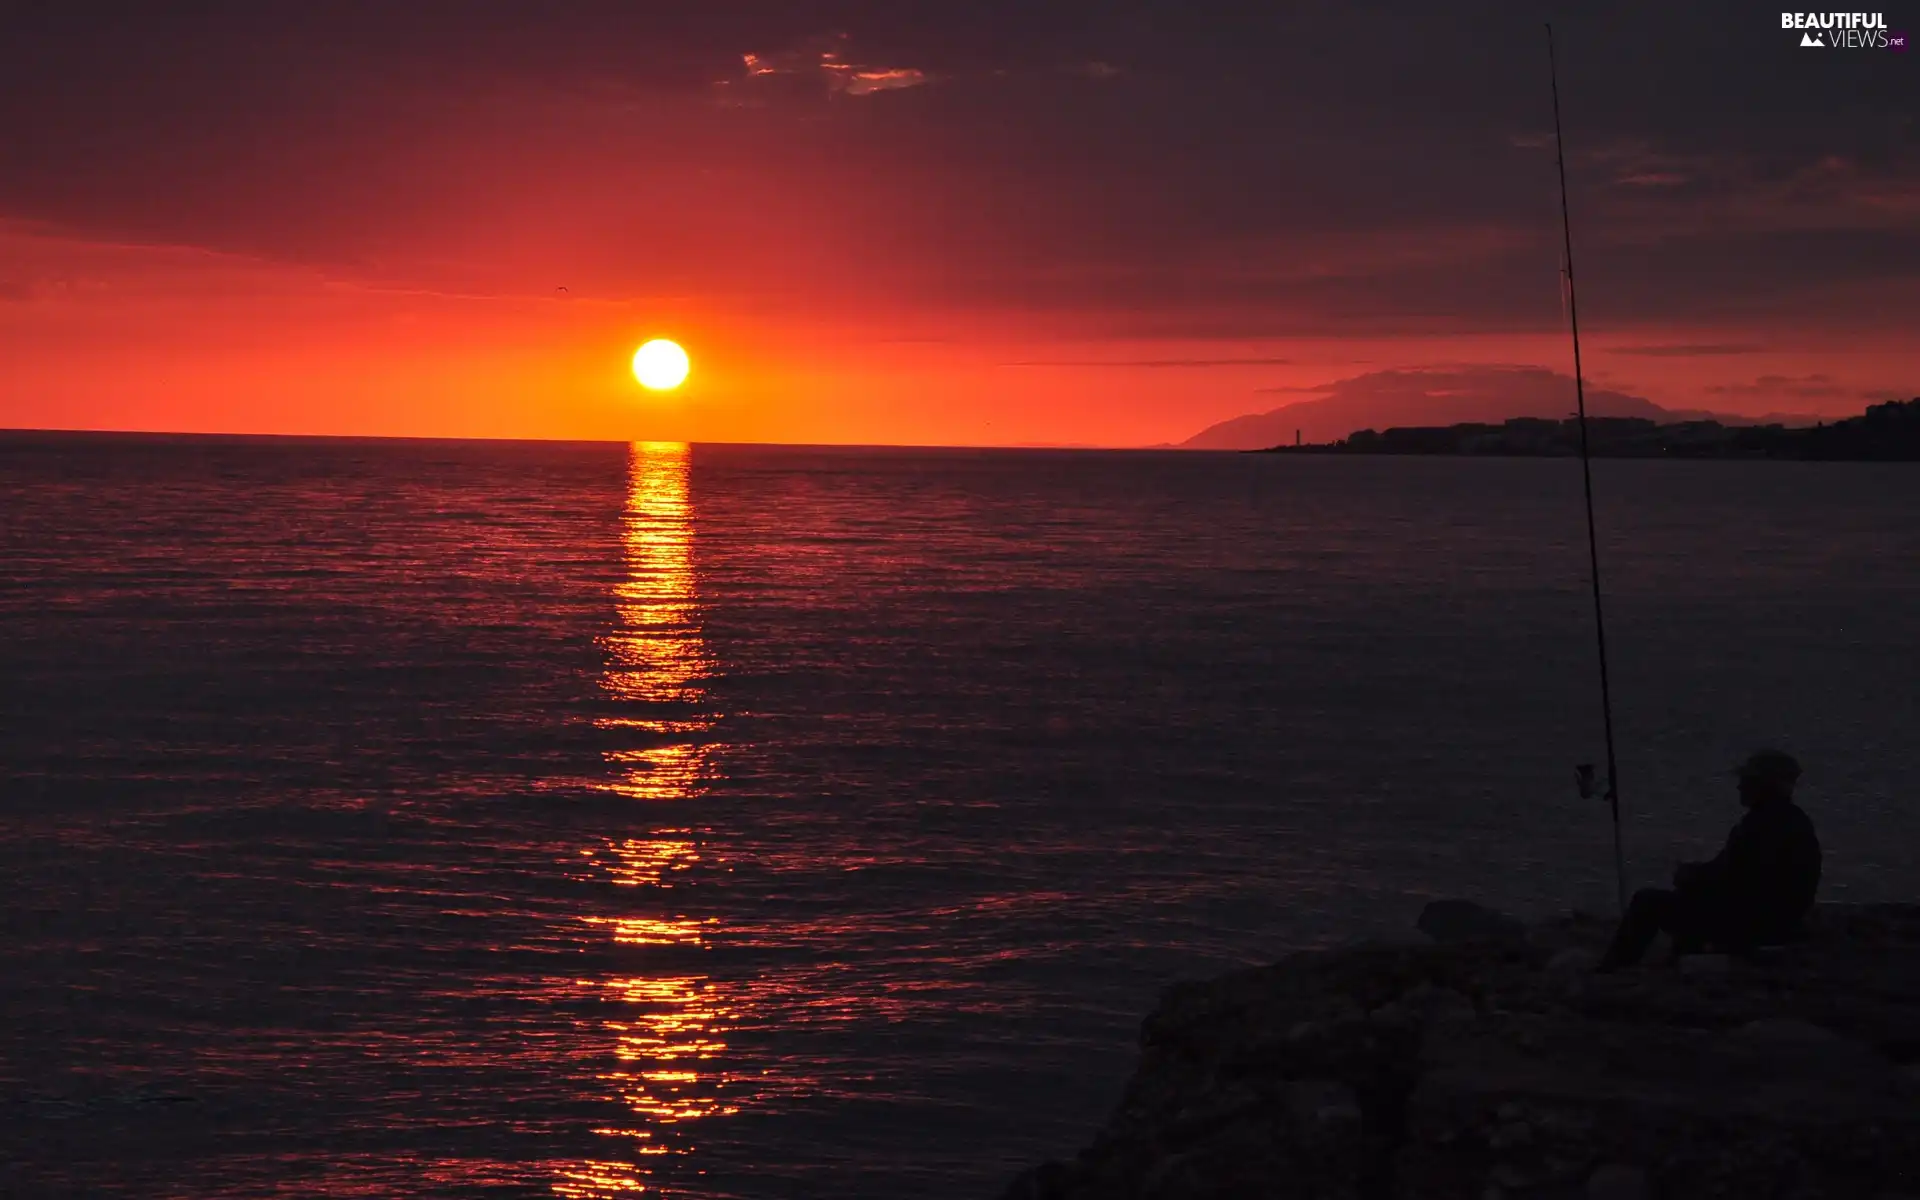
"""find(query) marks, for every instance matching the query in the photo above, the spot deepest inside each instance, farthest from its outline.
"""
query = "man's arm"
(1755, 854)
(1726, 867)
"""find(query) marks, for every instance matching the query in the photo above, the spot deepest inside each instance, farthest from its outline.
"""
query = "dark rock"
(1044, 1182)
(1618, 1182)
(1702, 965)
(1494, 1066)
(1573, 961)
(1450, 921)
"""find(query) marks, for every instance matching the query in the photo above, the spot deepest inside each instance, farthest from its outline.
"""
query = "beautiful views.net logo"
(1858, 31)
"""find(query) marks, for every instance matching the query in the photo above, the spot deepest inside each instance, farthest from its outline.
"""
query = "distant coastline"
(1884, 433)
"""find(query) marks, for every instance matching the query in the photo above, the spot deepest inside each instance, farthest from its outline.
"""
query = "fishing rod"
(1585, 771)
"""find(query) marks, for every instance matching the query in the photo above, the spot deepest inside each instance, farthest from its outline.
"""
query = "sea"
(449, 819)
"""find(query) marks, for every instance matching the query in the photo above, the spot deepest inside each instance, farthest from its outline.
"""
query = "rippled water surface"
(449, 819)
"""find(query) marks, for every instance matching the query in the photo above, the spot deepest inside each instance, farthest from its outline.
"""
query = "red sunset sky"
(984, 223)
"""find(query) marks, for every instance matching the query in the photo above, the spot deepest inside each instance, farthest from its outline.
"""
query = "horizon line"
(15, 431)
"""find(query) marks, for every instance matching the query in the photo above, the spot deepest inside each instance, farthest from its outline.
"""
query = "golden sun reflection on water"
(673, 1030)
(657, 651)
(670, 1027)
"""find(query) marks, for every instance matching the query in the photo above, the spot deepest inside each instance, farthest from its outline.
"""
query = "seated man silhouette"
(1754, 893)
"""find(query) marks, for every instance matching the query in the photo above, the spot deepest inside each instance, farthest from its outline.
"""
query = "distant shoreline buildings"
(1884, 433)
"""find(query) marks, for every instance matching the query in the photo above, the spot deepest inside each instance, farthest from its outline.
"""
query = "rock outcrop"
(1502, 1068)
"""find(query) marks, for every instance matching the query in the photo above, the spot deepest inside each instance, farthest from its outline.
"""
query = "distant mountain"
(1487, 395)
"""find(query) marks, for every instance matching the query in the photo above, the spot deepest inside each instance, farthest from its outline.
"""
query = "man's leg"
(1701, 921)
(1651, 911)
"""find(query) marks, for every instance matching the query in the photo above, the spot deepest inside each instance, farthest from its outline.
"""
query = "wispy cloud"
(1635, 162)
(826, 63)
(1688, 349)
(1660, 193)
(885, 79)
(1803, 387)
(1154, 362)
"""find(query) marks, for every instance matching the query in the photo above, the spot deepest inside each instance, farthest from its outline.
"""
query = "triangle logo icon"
(1808, 39)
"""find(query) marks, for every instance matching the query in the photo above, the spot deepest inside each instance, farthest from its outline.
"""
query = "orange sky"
(175, 339)
(916, 237)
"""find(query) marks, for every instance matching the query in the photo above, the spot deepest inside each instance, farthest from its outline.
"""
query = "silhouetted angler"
(1755, 893)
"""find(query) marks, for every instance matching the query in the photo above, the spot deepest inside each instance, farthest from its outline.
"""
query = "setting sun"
(660, 364)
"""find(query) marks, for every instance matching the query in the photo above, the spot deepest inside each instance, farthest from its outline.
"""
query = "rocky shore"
(1494, 1065)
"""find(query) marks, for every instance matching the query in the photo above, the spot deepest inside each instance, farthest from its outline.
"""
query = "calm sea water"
(447, 819)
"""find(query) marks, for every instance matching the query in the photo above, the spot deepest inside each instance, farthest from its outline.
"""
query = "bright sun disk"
(660, 364)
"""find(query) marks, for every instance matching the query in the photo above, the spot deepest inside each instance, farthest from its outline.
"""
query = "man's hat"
(1770, 766)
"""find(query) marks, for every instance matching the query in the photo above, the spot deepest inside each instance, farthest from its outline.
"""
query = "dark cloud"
(1139, 168)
